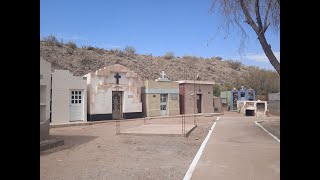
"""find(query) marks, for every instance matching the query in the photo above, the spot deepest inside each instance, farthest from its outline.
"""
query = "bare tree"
(260, 15)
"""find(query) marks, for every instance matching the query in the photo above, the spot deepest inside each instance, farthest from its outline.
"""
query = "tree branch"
(248, 17)
(258, 17)
(267, 13)
(264, 29)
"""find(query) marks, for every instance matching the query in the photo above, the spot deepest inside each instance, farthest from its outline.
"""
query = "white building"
(69, 98)
(45, 87)
(114, 92)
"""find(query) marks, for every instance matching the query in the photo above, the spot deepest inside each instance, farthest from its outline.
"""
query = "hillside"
(87, 59)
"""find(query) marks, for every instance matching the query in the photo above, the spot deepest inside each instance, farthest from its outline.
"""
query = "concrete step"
(51, 143)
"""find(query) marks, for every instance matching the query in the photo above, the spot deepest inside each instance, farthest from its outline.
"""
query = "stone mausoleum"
(114, 92)
(160, 97)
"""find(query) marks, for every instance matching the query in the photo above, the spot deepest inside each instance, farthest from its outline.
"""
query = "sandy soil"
(96, 152)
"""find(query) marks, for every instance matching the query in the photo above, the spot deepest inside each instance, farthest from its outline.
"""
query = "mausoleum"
(114, 92)
(160, 97)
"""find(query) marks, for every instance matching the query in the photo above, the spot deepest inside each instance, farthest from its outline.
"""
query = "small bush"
(90, 48)
(217, 58)
(86, 61)
(99, 50)
(72, 45)
(130, 50)
(51, 40)
(69, 51)
(186, 57)
(234, 64)
(169, 55)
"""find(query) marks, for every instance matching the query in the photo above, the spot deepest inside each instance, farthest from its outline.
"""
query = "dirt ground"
(96, 152)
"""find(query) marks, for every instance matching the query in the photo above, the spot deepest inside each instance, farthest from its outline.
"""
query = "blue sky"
(152, 27)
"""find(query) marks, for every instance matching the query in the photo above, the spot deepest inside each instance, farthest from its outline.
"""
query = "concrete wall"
(45, 86)
(274, 96)
(217, 106)
(101, 83)
(274, 103)
(62, 82)
(44, 130)
(189, 99)
(151, 97)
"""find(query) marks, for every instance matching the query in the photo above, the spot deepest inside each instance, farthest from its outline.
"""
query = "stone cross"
(117, 76)
(162, 74)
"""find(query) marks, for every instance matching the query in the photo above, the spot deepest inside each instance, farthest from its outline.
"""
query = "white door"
(163, 104)
(76, 105)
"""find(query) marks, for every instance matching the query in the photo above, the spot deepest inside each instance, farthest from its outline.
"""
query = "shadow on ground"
(70, 141)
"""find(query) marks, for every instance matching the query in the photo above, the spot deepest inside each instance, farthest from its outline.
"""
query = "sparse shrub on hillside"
(234, 64)
(218, 58)
(60, 44)
(86, 61)
(169, 55)
(263, 81)
(99, 50)
(190, 57)
(51, 40)
(118, 52)
(90, 48)
(69, 51)
(186, 56)
(130, 50)
(72, 45)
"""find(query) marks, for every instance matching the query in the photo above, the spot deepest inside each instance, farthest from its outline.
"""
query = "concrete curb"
(48, 144)
(169, 135)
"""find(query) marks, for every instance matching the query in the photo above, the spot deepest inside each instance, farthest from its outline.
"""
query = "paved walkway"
(239, 149)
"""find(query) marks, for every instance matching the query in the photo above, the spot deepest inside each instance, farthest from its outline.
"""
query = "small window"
(79, 101)
(76, 92)
(242, 94)
(79, 96)
(72, 97)
(72, 92)
(72, 101)
(76, 101)
(79, 92)
(76, 97)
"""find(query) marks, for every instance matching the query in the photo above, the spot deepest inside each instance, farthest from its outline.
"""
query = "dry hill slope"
(87, 59)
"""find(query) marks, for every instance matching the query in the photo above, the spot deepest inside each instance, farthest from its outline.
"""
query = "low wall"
(274, 107)
(44, 130)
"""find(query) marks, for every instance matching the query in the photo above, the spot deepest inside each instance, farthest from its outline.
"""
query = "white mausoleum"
(114, 92)
(69, 98)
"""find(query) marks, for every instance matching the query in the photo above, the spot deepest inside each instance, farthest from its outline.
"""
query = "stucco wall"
(151, 95)
(274, 103)
(45, 86)
(190, 99)
(62, 82)
(101, 83)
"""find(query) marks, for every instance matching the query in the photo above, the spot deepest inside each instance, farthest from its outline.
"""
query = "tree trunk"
(269, 53)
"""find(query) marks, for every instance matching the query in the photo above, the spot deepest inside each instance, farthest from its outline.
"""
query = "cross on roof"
(162, 75)
(117, 76)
